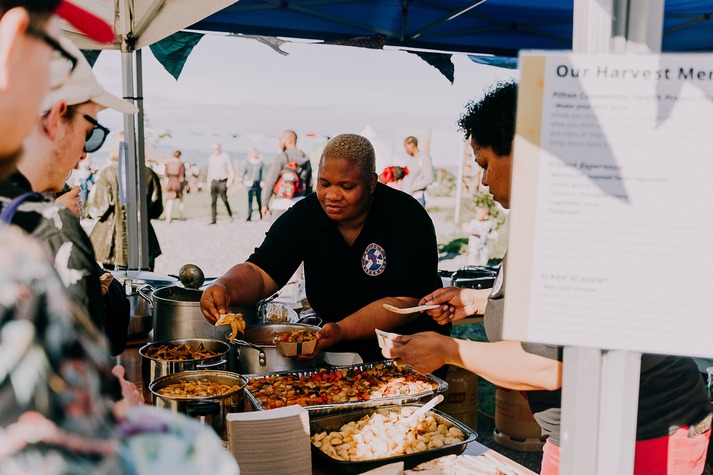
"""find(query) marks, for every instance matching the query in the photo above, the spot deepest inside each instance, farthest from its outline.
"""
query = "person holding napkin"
(363, 245)
(674, 414)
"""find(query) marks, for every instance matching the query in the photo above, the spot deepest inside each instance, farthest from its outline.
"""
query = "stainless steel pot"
(177, 314)
(210, 410)
(154, 368)
(256, 353)
(141, 320)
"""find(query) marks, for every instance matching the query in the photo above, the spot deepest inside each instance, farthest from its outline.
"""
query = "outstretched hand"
(424, 351)
(458, 303)
(329, 335)
(215, 302)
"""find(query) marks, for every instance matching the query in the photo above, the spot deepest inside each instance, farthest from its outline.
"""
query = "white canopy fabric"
(145, 21)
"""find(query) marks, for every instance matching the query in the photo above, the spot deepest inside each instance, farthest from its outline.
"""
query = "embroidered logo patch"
(373, 261)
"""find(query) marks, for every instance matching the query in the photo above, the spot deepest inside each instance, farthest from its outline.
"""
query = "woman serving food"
(363, 245)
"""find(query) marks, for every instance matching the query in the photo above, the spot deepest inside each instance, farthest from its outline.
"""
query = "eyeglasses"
(96, 137)
(65, 61)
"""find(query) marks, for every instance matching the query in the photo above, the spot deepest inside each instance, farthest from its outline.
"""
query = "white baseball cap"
(79, 85)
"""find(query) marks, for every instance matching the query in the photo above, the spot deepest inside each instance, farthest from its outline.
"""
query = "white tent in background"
(385, 154)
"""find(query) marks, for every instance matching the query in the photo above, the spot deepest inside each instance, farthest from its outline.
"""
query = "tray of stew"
(322, 391)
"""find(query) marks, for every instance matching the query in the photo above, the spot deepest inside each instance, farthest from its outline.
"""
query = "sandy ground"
(215, 248)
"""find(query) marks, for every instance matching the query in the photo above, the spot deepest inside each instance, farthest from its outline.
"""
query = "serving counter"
(131, 361)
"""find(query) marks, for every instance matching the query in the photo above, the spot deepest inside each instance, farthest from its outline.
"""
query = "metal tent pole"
(131, 165)
(142, 198)
(600, 388)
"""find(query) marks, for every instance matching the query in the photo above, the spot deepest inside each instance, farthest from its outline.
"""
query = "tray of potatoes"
(357, 441)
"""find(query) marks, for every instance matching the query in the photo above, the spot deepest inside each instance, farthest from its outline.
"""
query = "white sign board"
(611, 242)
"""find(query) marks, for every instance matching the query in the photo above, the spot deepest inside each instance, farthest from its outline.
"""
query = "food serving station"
(208, 372)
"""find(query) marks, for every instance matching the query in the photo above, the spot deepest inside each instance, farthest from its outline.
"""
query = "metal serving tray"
(323, 409)
(334, 422)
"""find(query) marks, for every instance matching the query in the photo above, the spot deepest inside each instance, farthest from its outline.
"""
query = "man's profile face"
(69, 145)
(497, 172)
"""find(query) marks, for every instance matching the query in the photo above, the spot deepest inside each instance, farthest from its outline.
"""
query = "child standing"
(481, 228)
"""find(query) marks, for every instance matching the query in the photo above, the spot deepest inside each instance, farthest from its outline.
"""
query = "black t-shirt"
(671, 394)
(395, 255)
(671, 391)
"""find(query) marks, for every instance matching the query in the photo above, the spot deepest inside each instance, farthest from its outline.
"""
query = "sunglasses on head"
(96, 137)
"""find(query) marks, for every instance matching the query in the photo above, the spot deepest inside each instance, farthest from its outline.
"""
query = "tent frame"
(600, 388)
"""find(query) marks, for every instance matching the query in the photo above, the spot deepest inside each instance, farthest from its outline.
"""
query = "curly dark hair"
(490, 121)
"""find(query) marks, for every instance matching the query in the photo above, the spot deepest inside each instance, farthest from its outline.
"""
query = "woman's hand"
(329, 335)
(458, 303)
(425, 352)
(215, 301)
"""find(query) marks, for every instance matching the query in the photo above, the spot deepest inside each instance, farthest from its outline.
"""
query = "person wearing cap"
(56, 394)
(53, 369)
(65, 131)
(28, 33)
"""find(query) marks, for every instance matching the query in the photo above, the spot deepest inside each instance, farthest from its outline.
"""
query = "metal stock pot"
(153, 368)
(210, 410)
(177, 314)
(256, 352)
(141, 320)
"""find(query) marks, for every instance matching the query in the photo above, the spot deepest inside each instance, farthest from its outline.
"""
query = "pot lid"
(152, 278)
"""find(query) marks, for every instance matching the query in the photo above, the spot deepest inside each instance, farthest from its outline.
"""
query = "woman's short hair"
(354, 148)
(490, 121)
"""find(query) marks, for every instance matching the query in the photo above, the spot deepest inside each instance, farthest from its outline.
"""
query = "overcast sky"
(240, 87)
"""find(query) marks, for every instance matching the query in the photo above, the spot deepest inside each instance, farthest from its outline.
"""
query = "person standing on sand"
(220, 177)
(175, 179)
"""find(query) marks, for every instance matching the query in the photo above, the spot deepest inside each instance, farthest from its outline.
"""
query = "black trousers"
(254, 192)
(218, 187)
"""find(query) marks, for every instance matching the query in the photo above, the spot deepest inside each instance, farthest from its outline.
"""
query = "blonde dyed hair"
(352, 147)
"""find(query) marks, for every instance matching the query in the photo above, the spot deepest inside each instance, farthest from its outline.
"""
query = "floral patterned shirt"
(55, 374)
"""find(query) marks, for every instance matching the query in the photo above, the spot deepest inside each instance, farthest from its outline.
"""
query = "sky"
(241, 93)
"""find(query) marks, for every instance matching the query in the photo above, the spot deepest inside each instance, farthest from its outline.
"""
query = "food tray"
(322, 409)
(334, 422)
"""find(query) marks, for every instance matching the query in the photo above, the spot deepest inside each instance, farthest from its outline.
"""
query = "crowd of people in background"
(270, 186)
(66, 410)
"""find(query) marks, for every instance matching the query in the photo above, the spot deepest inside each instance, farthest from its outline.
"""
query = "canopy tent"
(139, 23)
(492, 27)
(498, 27)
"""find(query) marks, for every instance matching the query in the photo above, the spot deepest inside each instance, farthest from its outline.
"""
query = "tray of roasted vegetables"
(322, 390)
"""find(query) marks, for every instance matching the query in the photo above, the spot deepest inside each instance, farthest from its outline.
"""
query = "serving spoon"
(421, 411)
(407, 310)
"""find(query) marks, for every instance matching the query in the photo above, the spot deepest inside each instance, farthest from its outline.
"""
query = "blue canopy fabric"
(497, 27)
(493, 31)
